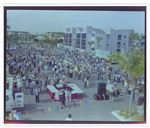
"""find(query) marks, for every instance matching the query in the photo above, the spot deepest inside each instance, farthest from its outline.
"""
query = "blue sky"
(43, 21)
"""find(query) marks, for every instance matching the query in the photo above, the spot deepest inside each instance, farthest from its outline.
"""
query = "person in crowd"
(63, 99)
(136, 96)
(111, 98)
(69, 118)
(36, 95)
(66, 95)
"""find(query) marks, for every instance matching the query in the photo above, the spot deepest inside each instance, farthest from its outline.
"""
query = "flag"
(91, 99)
(80, 103)
(42, 111)
(99, 97)
(35, 112)
(63, 107)
(104, 96)
(10, 84)
(69, 106)
(57, 109)
(86, 102)
(49, 110)
(95, 98)
(27, 113)
(10, 116)
(107, 94)
(74, 105)
(122, 89)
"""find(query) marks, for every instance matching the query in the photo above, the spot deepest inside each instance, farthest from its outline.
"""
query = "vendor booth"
(75, 91)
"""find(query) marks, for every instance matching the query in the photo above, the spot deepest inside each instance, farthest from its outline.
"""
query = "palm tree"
(133, 36)
(90, 43)
(56, 41)
(98, 39)
(134, 64)
(74, 43)
(9, 39)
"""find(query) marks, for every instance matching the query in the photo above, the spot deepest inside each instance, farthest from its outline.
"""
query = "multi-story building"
(112, 40)
(55, 35)
(21, 34)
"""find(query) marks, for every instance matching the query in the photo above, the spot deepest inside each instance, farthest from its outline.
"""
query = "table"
(76, 91)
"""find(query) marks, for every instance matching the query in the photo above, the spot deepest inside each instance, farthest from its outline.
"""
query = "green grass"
(135, 116)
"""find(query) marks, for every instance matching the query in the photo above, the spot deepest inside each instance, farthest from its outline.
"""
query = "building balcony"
(106, 48)
(93, 38)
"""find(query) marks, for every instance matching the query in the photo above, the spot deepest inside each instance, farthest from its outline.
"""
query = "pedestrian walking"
(111, 97)
(37, 95)
(67, 95)
(85, 82)
(63, 99)
(136, 96)
(70, 99)
(69, 118)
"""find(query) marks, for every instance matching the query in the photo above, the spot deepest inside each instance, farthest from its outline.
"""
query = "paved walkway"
(93, 111)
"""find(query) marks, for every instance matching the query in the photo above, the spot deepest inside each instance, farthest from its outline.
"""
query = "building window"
(119, 50)
(92, 49)
(70, 35)
(77, 46)
(119, 37)
(78, 35)
(124, 43)
(78, 41)
(82, 47)
(83, 42)
(83, 35)
(93, 35)
(124, 37)
(118, 44)
(66, 39)
(69, 44)
(66, 35)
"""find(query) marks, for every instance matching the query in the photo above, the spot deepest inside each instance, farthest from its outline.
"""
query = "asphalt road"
(93, 111)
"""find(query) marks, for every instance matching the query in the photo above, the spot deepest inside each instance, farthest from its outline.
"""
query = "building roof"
(122, 30)
(18, 31)
(107, 30)
(54, 32)
(99, 30)
(80, 28)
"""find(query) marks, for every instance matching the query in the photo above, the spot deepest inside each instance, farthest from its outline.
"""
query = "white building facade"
(113, 40)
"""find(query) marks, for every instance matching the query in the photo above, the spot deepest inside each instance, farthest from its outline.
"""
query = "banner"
(69, 106)
(104, 96)
(63, 107)
(122, 89)
(86, 102)
(80, 103)
(42, 111)
(57, 109)
(10, 116)
(74, 105)
(27, 113)
(35, 112)
(49, 109)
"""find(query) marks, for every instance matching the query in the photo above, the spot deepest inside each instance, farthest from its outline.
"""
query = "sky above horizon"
(42, 21)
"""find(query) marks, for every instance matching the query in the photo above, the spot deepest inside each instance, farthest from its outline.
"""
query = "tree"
(134, 64)
(9, 39)
(90, 43)
(7, 27)
(74, 43)
(56, 41)
(133, 36)
(98, 39)
(15, 38)
(52, 35)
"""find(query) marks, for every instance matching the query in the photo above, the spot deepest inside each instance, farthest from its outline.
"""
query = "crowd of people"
(30, 64)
